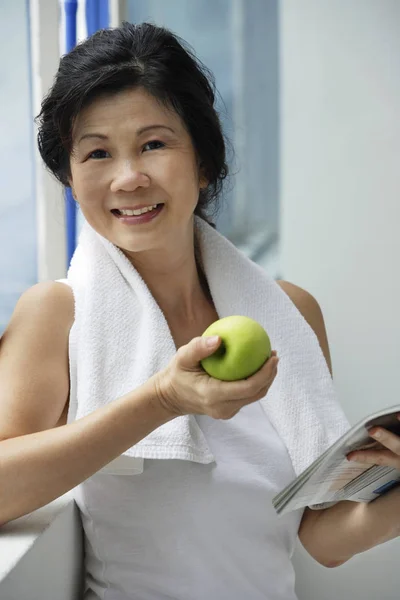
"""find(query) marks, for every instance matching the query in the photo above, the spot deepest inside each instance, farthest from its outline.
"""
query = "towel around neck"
(123, 339)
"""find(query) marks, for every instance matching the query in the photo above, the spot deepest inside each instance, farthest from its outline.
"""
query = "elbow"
(315, 534)
(325, 560)
(331, 563)
(334, 563)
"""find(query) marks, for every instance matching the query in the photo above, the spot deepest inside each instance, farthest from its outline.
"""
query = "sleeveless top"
(181, 530)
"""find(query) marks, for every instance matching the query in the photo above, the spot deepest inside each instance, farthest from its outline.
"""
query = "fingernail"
(211, 340)
(376, 434)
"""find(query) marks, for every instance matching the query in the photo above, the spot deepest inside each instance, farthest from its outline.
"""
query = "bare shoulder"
(303, 300)
(44, 296)
(34, 360)
(308, 306)
(47, 307)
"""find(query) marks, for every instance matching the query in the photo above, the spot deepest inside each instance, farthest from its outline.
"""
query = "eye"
(153, 145)
(98, 154)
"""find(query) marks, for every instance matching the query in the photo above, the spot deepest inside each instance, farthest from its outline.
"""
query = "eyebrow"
(139, 131)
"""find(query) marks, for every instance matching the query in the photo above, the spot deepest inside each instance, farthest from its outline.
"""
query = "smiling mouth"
(137, 212)
(140, 217)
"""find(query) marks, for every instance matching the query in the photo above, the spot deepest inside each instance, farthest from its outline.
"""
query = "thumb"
(197, 349)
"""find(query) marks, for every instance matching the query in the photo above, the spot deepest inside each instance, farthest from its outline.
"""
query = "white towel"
(123, 339)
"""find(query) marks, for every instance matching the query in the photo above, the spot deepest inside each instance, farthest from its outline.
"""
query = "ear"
(203, 181)
(71, 185)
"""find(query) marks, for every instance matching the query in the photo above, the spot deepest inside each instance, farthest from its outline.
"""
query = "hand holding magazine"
(332, 478)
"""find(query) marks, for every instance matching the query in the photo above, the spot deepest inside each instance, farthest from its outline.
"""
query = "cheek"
(180, 174)
(86, 182)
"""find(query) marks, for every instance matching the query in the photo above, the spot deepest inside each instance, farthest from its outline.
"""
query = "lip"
(136, 207)
(139, 219)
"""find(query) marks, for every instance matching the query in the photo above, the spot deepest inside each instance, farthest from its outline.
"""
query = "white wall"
(340, 217)
(17, 197)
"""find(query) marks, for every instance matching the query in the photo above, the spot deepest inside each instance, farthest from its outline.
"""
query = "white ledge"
(41, 554)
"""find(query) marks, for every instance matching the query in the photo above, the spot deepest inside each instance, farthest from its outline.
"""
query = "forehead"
(134, 106)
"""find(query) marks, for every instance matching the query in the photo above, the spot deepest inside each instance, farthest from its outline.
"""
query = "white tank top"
(187, 531)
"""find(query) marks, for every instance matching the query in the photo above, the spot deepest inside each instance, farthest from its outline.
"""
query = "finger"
(264, 386)
(198, 348)
(264, 374)
(232, 407)
(227, 410)
(258, 396)
(247, 388)
(375, 457)
(386, 438)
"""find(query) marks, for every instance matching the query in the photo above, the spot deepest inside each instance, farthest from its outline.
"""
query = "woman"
(130, 125)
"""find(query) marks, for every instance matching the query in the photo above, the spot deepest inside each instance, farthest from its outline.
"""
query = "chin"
(128, 245)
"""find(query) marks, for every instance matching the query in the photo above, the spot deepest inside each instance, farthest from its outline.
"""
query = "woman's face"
(130, 152)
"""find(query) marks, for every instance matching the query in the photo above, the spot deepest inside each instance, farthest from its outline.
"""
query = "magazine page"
(332, 477)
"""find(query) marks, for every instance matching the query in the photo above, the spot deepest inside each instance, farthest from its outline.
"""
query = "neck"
(175, 281)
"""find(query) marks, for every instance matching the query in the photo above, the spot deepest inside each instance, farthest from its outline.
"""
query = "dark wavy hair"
(131, 56)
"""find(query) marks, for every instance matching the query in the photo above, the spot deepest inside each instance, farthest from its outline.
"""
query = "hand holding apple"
(183, 387)
(244, 348)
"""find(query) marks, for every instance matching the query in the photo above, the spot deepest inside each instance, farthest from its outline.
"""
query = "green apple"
(244, 348)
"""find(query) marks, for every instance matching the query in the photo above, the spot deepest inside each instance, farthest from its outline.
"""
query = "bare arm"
(39, 467)
(41, 457)
(39, 461)
(334, 535)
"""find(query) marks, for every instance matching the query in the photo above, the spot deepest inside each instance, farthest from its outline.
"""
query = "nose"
(128, 177)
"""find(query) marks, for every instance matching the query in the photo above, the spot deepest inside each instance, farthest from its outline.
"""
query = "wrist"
(161, 397)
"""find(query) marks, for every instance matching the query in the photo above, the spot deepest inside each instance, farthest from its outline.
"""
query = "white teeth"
(139, 211)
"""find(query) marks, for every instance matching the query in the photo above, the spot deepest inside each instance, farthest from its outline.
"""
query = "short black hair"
(136, 55)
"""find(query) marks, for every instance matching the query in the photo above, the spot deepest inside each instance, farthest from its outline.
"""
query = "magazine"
(332, 478)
